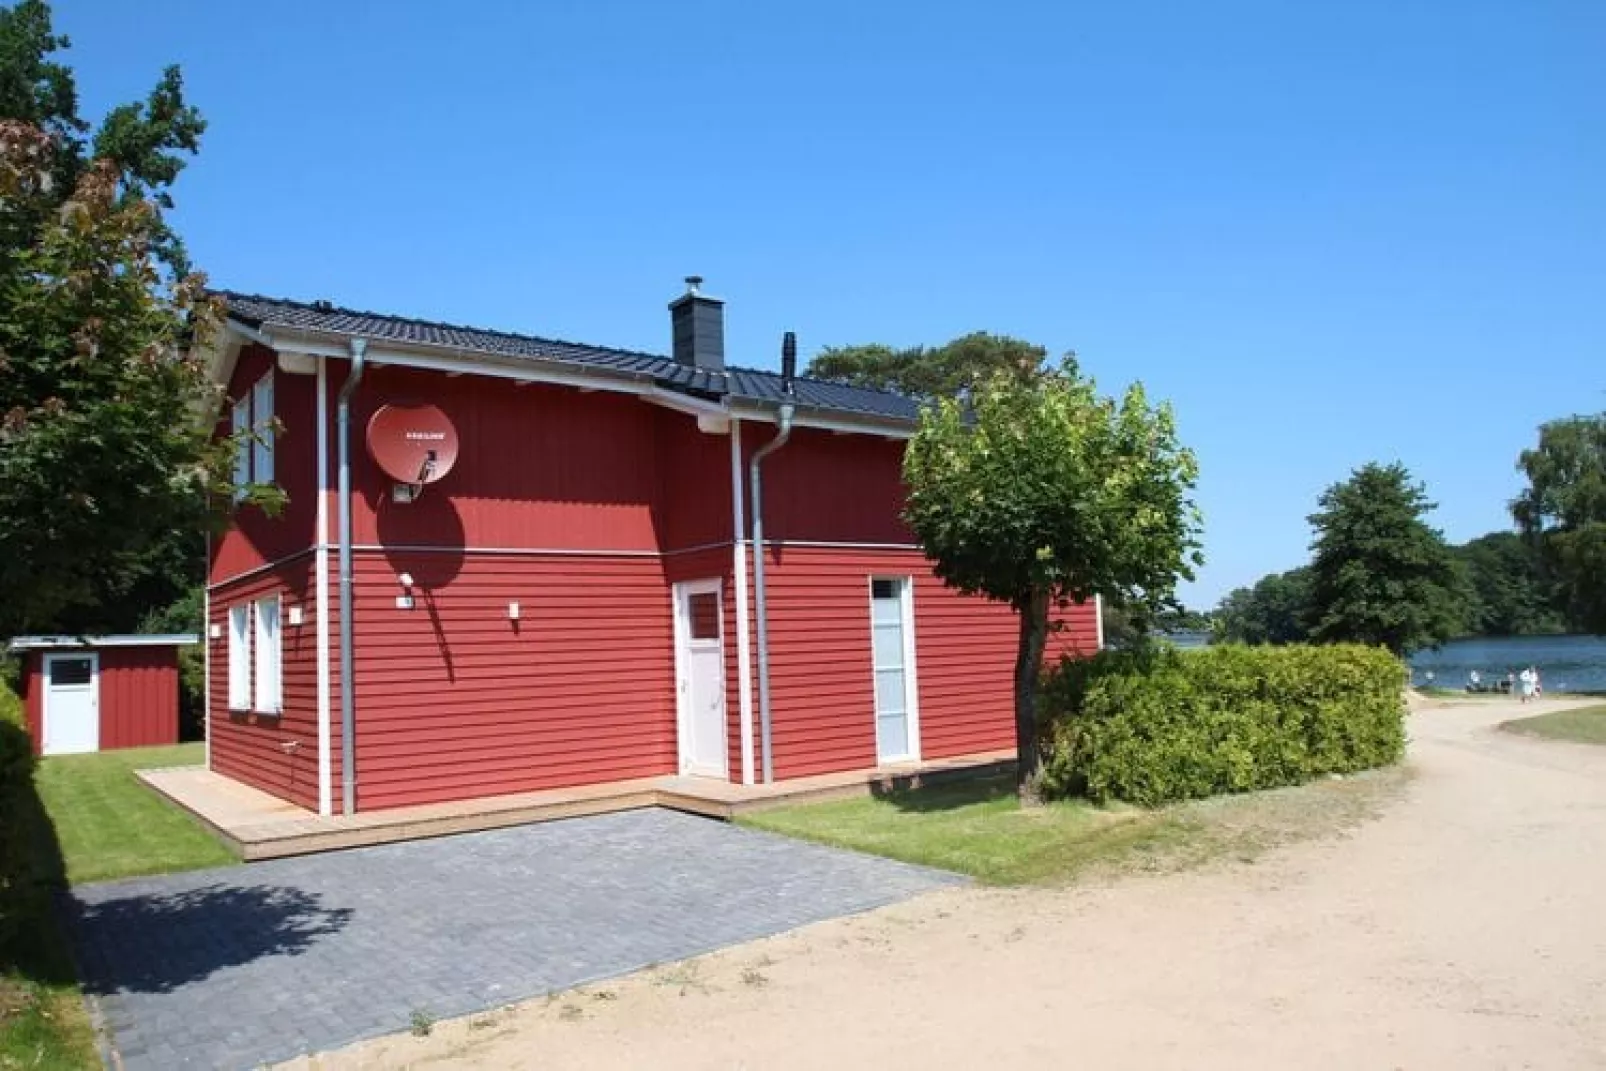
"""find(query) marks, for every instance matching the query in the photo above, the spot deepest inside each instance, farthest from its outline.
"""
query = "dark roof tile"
(740, 384)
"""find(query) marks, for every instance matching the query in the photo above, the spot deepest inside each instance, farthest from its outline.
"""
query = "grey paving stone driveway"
(252, 964)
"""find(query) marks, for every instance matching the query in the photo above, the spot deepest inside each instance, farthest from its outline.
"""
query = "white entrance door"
(72, 704)
(897, 733)
(700, 679)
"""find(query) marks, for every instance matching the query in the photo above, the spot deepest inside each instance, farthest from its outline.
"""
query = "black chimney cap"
(788, 361)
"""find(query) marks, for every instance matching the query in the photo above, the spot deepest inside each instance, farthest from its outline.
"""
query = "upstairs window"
(252, 423)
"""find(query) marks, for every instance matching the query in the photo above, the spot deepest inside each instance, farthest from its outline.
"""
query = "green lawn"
(110, 825)
(1585, 725)
(975, 827)
(978, 828)
(89, 819)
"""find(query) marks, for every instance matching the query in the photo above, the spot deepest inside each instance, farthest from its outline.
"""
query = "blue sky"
(1328, 233)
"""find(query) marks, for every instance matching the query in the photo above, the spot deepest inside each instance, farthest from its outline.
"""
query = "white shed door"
(72, 704)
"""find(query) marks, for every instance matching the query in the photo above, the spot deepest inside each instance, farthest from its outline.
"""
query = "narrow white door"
(72, 704)
(892, 651)
(700, 669)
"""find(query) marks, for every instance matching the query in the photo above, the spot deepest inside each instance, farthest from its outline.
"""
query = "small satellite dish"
(414, 444)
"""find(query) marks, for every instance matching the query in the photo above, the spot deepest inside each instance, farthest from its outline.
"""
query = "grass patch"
(87, 818)
(1586, 725)
(110, 825)
(977, 827)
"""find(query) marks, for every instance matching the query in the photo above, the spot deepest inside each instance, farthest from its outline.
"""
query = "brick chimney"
(698, 322)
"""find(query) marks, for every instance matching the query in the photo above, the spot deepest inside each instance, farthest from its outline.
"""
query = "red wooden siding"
(248, 746)
(539, 467)
(585, 508)
(138, 695)
(33, 699)
(454, 700)
(821, 680)
(827, 487)
(256, 539)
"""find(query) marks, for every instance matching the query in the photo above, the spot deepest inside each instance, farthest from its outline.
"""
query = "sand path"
(1464, 928)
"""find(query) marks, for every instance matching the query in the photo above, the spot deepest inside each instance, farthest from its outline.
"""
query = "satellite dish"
(413, 444)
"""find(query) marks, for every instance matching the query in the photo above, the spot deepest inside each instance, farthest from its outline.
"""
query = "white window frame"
(251, 422)
(241, 427)
(262, 426)
(240, 631)
(911, 673)
(268, 691)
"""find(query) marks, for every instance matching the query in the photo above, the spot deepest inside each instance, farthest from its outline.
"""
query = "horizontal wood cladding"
(821, 678)
(538, 466)
(253, 747)
(826, 487)
(254, 538)
(455, 700)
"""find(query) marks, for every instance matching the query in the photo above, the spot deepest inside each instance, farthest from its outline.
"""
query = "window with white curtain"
(269, 658)
(240, 657)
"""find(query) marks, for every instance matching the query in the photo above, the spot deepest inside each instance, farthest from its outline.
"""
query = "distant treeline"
(1500, 590)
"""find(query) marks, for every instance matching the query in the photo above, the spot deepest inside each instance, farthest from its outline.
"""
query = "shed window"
(704, 613)
(71, 671)
(240, 657)
(269, 658)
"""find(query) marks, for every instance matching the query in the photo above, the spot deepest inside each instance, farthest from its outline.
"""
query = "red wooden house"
(576, 600)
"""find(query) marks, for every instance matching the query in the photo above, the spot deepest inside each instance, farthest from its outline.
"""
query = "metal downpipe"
(348, 697)
(760, 601)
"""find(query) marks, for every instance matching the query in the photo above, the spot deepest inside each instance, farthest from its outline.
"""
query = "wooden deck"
(256, 825)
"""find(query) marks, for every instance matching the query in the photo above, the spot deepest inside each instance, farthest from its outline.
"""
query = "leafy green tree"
(145, 142)
(929, 372)
(1380, 574)
(1039, 492)
(104, 468)
(1562, 513)
(1275, 610)
(1510, 596)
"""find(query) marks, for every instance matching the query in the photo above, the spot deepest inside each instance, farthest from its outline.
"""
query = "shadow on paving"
(255, 964)
(203, 931)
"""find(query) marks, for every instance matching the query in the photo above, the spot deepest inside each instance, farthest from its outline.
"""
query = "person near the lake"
(1539, 683)
(1474, 681)
(1511, 681)
(1529, 679)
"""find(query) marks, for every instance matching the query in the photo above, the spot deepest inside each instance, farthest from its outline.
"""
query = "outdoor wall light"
(404, 601)
(512, 611)
(295, 617)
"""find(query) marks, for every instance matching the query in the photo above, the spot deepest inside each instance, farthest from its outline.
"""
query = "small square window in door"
(703, 611)
(71, 671)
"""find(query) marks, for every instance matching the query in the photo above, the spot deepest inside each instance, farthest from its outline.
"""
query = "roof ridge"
(333, 309)
(342, 310)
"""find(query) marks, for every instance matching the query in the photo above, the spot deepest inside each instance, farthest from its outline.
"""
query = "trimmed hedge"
(1151, 727)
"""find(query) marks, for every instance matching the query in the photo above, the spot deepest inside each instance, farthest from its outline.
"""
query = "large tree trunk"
(1028, 668)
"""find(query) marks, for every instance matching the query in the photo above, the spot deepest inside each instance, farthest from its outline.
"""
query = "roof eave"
(820, 417)
(381, 351)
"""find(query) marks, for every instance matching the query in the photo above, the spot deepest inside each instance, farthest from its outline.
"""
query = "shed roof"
(739, 385)
(44, 643)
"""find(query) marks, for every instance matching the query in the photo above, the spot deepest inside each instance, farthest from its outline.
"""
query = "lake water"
(1566, 663)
